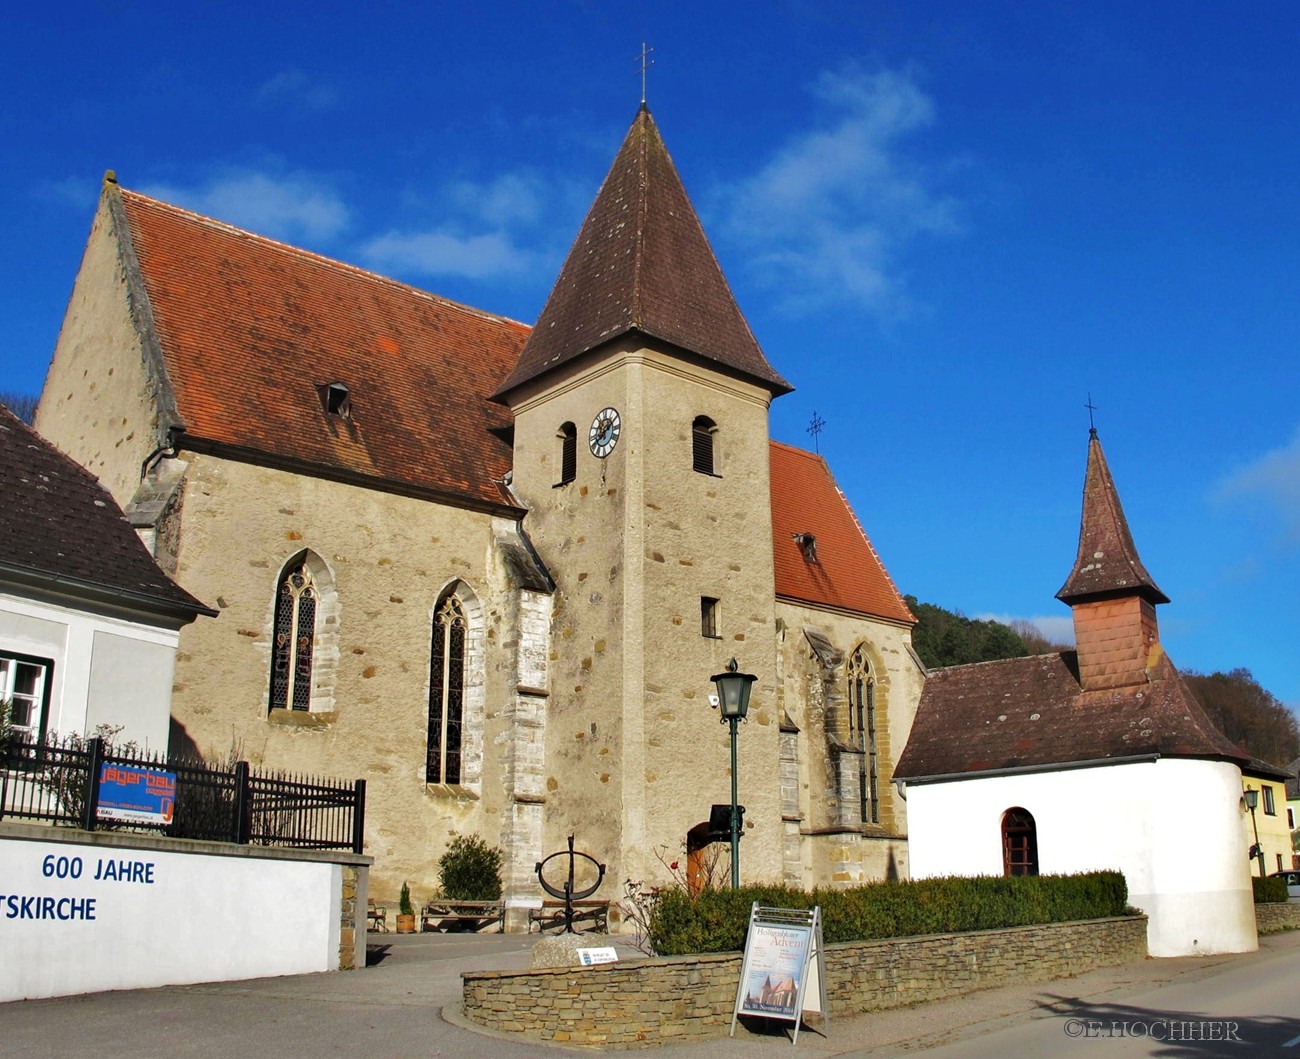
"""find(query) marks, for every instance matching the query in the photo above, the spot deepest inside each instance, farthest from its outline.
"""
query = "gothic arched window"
(293, 648)
(862, 731)
(1019, 843)
(446, 692)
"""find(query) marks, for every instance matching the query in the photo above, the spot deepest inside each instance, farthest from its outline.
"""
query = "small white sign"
(594, 956)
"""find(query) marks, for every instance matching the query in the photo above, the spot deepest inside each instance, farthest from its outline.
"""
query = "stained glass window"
(446, 693)
(295, 638)
(862, 732)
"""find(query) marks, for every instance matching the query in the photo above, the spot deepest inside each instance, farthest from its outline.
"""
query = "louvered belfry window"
(568, 453)
(295, 638)
(702, 436)
(446, 693)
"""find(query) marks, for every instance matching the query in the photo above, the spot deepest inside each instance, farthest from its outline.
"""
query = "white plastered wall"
(1174, 827)
(106, 670)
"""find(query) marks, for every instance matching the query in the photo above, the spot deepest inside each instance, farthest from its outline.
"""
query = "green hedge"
(1268, 891)
(716, 921)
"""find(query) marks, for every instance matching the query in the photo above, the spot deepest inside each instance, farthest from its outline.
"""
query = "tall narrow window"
(25, 685)
(703, 432)
(1019, 843)
(1270, 806)
(709, 617)
(296, 604)
(568, 453)
(446, 693)
(862, 732)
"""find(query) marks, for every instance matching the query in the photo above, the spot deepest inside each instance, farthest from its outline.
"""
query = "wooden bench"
(458, 915)
(551, 916)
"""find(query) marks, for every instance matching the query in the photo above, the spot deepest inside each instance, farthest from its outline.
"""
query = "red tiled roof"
(642, 262)
(1031, 712)
(250, 328)
(62, 532)
(1107, 563)
(847, 574)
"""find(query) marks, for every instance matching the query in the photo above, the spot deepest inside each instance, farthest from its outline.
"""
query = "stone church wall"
(835, 847)
(387, 560)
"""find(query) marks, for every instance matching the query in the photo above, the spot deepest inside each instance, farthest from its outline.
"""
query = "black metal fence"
(58, 782)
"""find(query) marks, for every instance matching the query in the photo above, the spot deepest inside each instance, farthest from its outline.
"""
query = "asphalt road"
(395, 1009)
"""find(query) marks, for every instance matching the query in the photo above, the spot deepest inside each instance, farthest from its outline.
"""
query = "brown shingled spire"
(1109, 590)
(642, 263)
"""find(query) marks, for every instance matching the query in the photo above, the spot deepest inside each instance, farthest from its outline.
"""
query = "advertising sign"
(781, 976)
(136, 795)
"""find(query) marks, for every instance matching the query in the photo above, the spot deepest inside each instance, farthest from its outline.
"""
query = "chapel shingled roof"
(846, 573)
(1022, 713)
(250, 329)
(62, 533)
(642, 263)
(1107, 563)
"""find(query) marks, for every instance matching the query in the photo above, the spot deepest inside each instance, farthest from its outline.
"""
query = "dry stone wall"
(659, 1001)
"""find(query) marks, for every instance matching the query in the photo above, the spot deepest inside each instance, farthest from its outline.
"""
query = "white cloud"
(1058, 628)
(1275, 478)
(292, 88)
(289, 207)
(511, 199)
(442, 253)
(824, 220)
(502, 228)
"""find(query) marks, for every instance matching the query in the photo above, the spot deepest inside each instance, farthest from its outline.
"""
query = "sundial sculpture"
(568, 895)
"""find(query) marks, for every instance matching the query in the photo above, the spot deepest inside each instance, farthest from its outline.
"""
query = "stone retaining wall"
(656, 1001)
(1270, 918)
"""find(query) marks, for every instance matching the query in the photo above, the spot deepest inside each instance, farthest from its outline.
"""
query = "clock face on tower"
(605, 429)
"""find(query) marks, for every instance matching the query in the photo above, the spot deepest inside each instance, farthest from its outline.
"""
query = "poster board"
(783, 973)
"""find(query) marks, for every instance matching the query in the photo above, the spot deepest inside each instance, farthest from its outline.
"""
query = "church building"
(490, 567)
(1096, 758)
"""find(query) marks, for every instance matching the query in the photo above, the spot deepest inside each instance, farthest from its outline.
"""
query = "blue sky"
(948, 224)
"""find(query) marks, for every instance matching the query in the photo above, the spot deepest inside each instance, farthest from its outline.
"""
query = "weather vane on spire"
(646, 62)
(1092, 427)
(815, 428)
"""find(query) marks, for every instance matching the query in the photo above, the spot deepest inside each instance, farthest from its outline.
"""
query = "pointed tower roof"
(642, 263)
(1107, 563)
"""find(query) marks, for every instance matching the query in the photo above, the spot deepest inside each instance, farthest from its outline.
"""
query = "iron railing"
(58, 782)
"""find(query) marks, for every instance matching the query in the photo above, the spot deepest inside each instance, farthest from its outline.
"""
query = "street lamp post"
(733, 700)
(1252, 800)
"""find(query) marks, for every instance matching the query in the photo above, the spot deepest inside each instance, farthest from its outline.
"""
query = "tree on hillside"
(1035, 642)
(944, 638)
(23, 405)
(1248, 714)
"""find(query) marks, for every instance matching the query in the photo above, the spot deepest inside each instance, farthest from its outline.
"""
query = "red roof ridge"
(320, 259)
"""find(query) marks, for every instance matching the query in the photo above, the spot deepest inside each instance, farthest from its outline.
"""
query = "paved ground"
(406, 1005)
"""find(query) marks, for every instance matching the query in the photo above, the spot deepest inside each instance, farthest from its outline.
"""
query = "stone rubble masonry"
(1271, 918)
(657, 1001)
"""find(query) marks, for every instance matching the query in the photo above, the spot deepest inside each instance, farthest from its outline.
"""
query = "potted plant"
(405, 912)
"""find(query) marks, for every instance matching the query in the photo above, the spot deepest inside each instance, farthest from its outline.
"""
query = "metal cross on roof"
(815, 428)
(1092, 427)
(646, 63)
